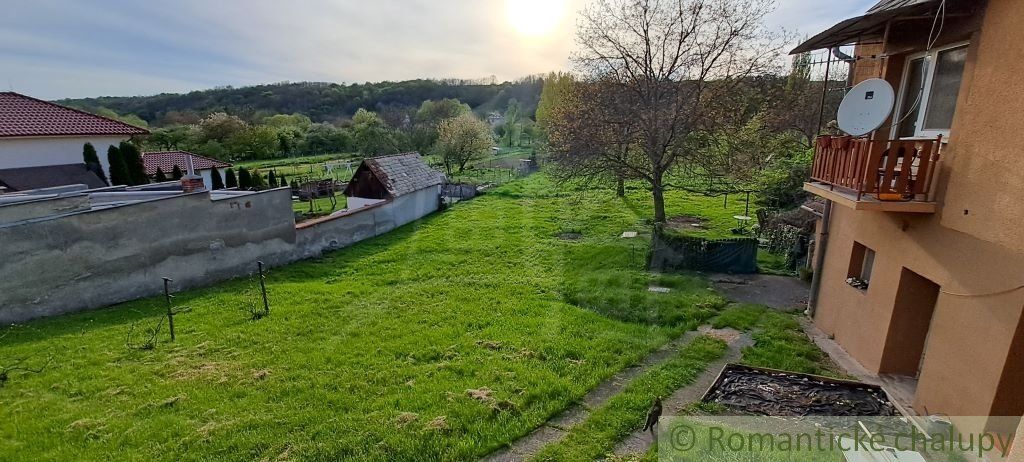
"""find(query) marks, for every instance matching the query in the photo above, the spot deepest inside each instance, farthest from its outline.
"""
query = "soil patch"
(684, 223)
(570, 236)
(780, 393)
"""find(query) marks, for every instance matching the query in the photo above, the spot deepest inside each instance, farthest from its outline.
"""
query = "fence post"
(263, 288)
(170, 310)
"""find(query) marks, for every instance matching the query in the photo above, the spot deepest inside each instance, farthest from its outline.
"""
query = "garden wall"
(94, 258)
(68, 263)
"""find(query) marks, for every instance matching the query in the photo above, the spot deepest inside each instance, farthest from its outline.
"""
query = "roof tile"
(166, 160)
(22, 115)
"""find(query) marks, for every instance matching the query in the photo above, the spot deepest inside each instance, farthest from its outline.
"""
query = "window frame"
(930, 58)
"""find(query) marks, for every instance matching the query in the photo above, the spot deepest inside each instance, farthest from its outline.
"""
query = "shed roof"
(403, 173)
(25, 116)
(870, 24)
(166, 160)
(26, 178)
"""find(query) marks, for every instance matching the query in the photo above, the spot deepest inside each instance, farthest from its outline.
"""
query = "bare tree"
(656, 74)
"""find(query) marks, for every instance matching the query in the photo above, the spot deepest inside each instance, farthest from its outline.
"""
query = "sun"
(535, 18)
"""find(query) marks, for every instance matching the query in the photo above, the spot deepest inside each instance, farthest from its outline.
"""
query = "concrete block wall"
(91, 259)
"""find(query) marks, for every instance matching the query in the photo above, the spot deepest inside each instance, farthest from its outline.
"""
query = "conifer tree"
(284, 182)
(176, 173)
(272, 179)
(229, 178)
(244, 178)
(118, 171)
(215, 178)
(92, 162)
(160, 175)
(133, 163)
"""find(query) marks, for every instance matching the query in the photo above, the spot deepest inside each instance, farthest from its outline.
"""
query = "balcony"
(879, 175)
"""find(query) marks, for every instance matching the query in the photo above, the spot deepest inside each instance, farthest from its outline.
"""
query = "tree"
(462, 140)
(229, 178)
(215, 178)
(371, 134)
(284, 182)
(664, 72)
(133, 163)
(170, 138)
(244, 178)
(256, 142)
(272, 179)
(219, 127)
(552, 94)
(176, 173)
(160, 175)
(92, 161)
(118, 170)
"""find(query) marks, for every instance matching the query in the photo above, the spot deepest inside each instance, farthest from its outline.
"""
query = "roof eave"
(856, 29)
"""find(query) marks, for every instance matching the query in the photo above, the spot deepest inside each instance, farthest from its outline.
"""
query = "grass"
(781, 342)
(294, 168)
(626, 412)
(368, 352)
(321, 206)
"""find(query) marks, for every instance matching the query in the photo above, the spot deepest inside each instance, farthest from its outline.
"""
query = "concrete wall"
(974, 246)
(83, 260)
(96, 258)
(344, 229)
(53, 150)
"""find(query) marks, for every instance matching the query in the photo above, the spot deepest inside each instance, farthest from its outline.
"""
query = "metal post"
(746, 210)
(819, 259)
(263, 288)
(824, 91)
(170, 308)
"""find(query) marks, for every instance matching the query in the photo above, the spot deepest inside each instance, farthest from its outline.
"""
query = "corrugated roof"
(403, 173)
(870, 24)
(26, 178)
(22, 115)
(166, 160)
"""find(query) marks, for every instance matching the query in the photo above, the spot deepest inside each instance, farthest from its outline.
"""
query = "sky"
(79, 48)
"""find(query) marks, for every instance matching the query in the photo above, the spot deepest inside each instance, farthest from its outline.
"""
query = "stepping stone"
(660, 290)
(628, 234)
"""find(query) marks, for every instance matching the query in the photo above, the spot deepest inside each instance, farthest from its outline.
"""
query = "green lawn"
(294, 168)
(321, 206)
(369, 351)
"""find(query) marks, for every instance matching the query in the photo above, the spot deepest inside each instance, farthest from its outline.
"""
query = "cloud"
(69, 48)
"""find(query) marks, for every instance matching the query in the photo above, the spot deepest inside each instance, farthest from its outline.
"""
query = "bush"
(230, 179)
(215, 178)
(782, 184)
(118, 171)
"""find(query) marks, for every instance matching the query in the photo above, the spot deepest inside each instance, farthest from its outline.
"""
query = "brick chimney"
(192, 182)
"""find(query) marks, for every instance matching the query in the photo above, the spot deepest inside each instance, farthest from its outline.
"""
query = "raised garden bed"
(759, 391)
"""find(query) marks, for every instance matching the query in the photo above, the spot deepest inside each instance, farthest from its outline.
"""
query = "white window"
(931, 84)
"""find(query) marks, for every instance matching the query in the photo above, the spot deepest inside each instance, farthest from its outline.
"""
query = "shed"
(388, 177)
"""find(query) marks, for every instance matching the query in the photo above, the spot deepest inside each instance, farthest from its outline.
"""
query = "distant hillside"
(319, 101)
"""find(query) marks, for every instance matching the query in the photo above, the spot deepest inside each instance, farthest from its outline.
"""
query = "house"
(38, 135)
(920, 248)
(167, 160)
(495, 119)
(403, 178)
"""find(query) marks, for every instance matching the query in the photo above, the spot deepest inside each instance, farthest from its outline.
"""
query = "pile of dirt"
(778, 393)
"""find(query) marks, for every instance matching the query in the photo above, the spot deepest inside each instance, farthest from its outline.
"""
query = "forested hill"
(320, 101)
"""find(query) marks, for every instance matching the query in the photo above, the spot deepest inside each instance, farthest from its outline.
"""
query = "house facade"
(37, 133)
(921, 274)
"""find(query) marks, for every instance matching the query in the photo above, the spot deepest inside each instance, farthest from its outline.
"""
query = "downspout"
(819, 259)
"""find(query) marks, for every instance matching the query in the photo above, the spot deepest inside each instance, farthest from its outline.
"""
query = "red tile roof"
(22, 115)
(166, 160)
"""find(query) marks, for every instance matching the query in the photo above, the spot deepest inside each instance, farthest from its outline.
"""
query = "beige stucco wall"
(986, 177)
(979, 252)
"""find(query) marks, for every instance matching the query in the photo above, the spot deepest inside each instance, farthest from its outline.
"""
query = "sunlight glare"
(535, 18)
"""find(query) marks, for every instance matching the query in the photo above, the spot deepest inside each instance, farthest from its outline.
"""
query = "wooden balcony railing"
(891, 170)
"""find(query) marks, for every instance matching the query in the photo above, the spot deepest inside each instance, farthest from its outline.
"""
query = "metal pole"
(170, 310)
(824, 91)
(263, 288)
(819, 259)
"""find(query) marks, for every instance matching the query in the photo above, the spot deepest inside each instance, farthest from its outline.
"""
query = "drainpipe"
(819, 259)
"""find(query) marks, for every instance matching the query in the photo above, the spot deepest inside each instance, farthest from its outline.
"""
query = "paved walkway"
(639, 442)
(779, 292)
(556, 428)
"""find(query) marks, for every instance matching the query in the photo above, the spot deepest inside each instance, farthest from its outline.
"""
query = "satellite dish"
(866, 107)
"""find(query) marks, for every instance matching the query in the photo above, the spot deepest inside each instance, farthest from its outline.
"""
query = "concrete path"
(779, 292)
(556, 428)
(639, 442)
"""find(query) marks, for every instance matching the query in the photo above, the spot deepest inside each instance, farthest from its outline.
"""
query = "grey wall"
(97, 258)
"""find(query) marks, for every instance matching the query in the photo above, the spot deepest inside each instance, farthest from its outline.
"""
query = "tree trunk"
(620, 187)
(659, 201)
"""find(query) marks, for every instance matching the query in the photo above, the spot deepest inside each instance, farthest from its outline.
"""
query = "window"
(862, 261)
(931, 84)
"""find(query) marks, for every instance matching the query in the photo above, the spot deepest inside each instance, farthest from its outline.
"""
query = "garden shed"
(389, 177)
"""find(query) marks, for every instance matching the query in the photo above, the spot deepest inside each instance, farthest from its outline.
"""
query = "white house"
(37, 133)
(166, 160)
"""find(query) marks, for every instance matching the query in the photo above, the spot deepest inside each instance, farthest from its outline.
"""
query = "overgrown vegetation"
(781, 342)
(375, 345)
